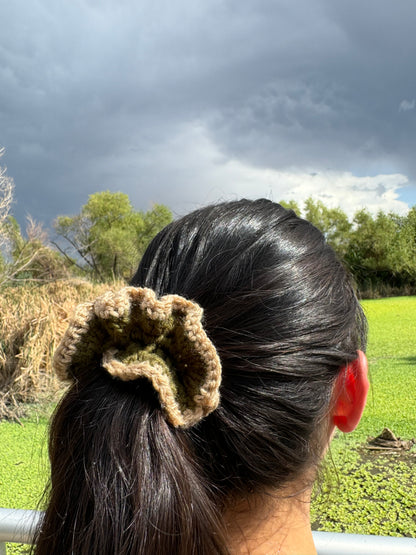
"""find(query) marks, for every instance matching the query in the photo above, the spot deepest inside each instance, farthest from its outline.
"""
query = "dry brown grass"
(32, 321)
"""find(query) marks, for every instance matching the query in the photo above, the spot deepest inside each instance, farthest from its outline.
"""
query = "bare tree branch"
(6, 199)
(64, 253)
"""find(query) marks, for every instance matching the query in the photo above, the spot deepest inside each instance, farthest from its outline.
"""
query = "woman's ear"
(350, 394)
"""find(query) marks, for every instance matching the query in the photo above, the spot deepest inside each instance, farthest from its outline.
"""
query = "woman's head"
(282, 314)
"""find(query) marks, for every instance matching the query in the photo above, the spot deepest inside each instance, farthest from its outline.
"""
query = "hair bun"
(132, 334)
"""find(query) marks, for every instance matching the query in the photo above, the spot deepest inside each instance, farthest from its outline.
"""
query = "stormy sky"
(192, 101)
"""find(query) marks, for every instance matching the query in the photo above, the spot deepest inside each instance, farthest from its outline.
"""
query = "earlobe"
(350, 394)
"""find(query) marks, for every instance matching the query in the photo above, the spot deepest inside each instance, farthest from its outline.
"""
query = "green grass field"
(364, 491)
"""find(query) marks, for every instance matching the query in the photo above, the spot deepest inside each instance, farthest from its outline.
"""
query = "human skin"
(273, 524)
(278, 523)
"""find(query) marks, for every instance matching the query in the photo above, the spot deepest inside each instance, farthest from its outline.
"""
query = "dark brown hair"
(283, 315)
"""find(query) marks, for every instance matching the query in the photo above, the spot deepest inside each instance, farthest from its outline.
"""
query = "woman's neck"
(271, 525)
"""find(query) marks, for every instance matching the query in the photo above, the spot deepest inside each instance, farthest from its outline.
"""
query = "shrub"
(32, 320)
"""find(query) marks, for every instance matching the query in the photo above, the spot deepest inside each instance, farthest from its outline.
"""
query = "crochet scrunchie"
(132, 334)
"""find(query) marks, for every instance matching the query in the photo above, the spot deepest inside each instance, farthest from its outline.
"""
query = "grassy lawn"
(364, 492)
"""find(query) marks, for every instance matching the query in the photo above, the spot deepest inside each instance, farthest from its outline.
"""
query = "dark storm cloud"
(97, 95)
(337, 102)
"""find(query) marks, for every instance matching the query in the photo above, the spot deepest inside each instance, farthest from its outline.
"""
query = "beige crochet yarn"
(133, 334)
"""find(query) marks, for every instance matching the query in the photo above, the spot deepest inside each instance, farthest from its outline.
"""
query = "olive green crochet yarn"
(132, 334)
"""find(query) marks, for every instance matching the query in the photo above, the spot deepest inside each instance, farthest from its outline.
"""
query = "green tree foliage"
(333, 222)
(409, 238)
(379, 250)
(29, 257)
(24, 257)
(290, 205)
(108, 237)
(383, 248)
(6, 200)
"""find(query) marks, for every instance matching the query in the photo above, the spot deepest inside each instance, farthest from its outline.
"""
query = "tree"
(382, 249)
(290, 205)
(333, 222)
(409, 237)
(23, 258)
(30, 258)
(6, 199)
(108, 237)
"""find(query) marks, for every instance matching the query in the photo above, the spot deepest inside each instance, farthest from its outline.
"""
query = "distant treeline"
(107, 238)
(380, 250)
(104, 242)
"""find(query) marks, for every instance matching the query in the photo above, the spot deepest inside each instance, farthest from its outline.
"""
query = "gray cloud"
(406, 105)
(97, 95)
